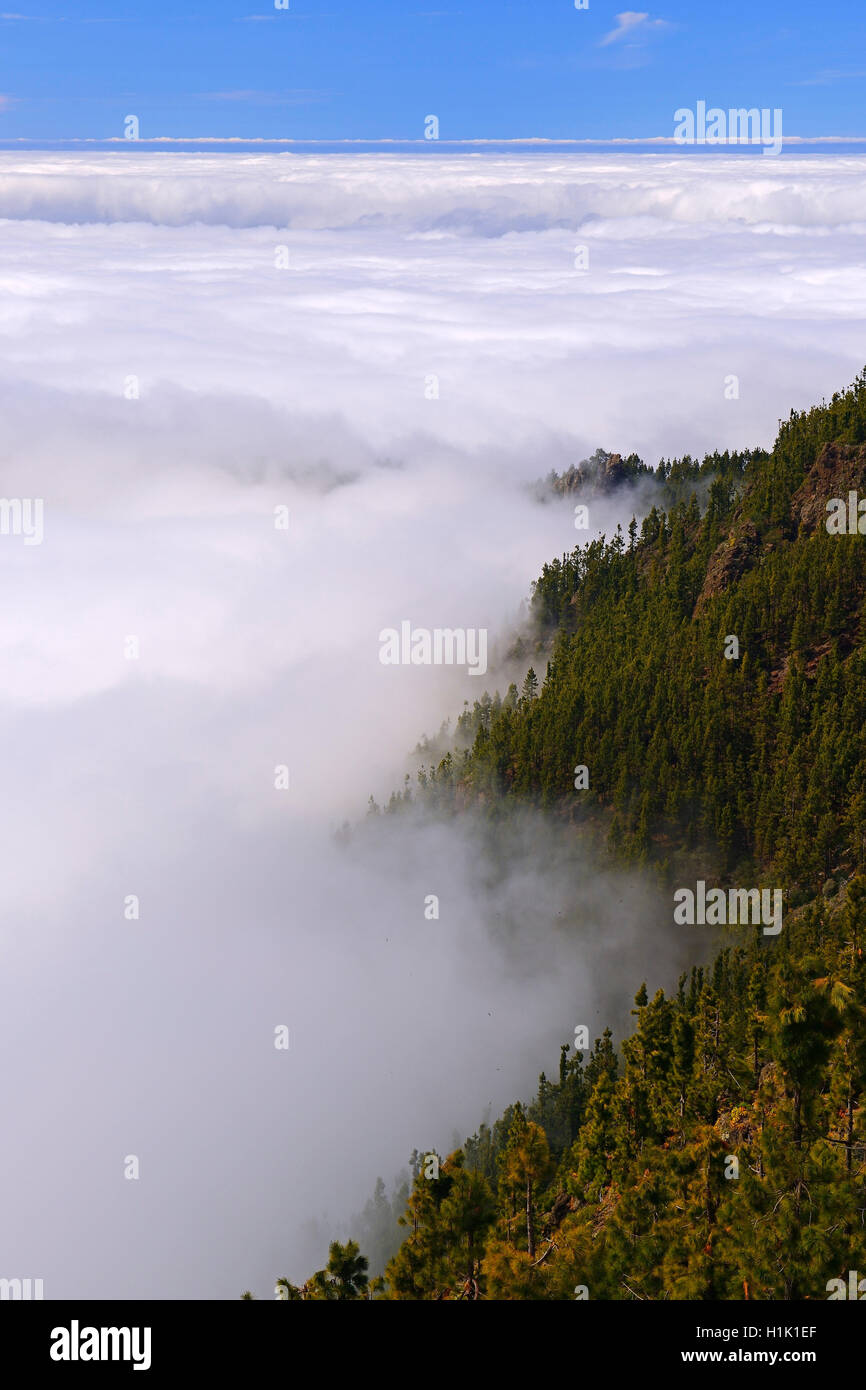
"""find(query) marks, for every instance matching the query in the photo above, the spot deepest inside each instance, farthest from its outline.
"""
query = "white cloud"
(305, 386)
(829, 76)
(634, 26)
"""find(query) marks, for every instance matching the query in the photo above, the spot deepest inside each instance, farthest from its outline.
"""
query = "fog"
(165, 388)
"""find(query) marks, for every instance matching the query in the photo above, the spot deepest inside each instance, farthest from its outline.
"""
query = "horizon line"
(421, 141)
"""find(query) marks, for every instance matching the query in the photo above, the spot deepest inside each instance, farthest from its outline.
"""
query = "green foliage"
(761, 1060)
(722, 1156)
(722, 1153)
(760, 759)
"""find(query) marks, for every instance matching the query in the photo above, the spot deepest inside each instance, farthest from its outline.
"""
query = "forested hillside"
(759, 757)
(721, 1156)
(707, 673)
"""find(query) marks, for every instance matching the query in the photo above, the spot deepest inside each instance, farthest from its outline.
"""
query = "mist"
(171, 656)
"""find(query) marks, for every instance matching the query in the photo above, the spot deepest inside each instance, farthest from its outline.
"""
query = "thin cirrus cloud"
(297, 96)
(634, 26)
(827, 77)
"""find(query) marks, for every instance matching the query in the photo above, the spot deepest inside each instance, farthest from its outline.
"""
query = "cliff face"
(737, 553)
(838, 469)
(603, 472)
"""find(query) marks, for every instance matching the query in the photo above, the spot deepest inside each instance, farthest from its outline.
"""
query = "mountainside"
(704, 693)
(708, 673)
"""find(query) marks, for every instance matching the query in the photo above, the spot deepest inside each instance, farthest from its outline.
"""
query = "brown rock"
(838, 470)
(729, 561)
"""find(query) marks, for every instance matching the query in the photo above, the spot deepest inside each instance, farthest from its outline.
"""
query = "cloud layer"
(165, 266)
(429, 348)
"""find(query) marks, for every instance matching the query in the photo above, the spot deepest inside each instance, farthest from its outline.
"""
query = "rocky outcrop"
(838, 470)
(737, 553)
(602, 472)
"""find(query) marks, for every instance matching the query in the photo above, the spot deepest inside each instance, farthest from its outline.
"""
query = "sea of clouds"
(309, 387)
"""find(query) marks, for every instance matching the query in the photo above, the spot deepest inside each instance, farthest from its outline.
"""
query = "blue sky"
(503, 70)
